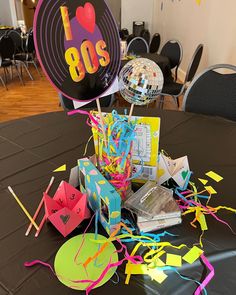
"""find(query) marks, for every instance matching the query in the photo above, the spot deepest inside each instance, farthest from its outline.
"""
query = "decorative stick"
(101, 120)
(23, 208)
(131, 112)
(40, 226)
(39, 207)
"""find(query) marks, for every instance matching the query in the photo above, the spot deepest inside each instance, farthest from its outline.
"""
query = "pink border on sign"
(42, 66)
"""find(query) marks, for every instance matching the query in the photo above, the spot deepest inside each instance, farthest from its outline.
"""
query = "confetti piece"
(214, 176)
(142, 269)
(60, 169)
(173, 260)
(203, 181)
(202, 220)
(210, 190)
(192, 255)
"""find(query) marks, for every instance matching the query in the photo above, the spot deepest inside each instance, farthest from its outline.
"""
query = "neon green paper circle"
(67, 270)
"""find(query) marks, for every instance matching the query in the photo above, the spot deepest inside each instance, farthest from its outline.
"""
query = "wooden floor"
(36, 97)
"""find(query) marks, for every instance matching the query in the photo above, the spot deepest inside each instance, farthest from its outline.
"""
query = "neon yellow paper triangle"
(203, 181)
(211, 190)
(198, 2)
(60, 169)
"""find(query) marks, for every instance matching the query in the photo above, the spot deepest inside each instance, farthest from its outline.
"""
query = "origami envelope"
(177, 169)
(67, 209)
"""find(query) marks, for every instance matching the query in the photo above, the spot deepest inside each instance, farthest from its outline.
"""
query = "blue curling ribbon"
(171, 268)
(154, 237)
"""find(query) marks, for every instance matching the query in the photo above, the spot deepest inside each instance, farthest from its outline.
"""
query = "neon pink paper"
(67, 209)
(208, 278)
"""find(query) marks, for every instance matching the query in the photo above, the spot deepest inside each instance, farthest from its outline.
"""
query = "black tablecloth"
(31, 148)
(162, 61)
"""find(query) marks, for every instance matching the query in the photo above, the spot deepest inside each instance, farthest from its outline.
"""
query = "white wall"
(115, 6)
(212, 23)
(7, 13)
(136, 10)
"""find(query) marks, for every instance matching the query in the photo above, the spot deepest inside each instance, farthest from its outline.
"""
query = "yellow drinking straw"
(23, 208)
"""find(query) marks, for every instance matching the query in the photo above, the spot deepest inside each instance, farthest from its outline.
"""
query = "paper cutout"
(67, 270)
(202, 220)
(211, 190)
(192, 255)
(209, 276)
(214, 176)
(60, 169)
(173, 260)
(203, 181)
(102, 195)
(139, 269)
(67, 209)
(177, 169)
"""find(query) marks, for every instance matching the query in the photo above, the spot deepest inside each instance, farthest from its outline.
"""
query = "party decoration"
(102, 195)
(60, 169)
(78, 46)
(141, 81)
(23, 207)
(203, 181)
(39, 207)
(146, 147)
(114, 152)
(214, 176)
(67, 209)
(69, 270)
(177, 169)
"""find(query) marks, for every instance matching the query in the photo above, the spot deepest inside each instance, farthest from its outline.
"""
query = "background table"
(31, 148)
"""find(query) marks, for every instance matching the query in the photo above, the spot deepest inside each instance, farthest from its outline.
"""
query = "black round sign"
(77, 43)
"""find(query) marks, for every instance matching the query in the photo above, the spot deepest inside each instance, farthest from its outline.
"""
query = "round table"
(31, 148)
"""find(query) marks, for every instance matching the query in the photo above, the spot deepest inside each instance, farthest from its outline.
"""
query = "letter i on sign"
(66, 22)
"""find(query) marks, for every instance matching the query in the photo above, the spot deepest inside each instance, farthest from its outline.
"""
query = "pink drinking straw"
(39, 208)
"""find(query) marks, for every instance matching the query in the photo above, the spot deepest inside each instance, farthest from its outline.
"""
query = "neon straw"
(40, 226)
(40, 206)
(22, 207)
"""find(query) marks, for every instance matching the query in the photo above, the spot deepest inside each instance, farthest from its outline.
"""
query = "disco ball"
(140, 81)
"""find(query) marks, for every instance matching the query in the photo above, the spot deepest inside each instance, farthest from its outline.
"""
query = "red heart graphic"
(86, 16)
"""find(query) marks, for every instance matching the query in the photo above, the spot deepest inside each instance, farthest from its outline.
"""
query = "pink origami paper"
(67, 209)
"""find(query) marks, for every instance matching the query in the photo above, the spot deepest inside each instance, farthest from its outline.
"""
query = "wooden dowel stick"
(101, 120)
(39, 206)
(131, 112)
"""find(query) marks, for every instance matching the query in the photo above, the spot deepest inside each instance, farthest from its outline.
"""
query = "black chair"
(1, 79)
(18, 41)
(68, 105)
(130, 38)
(145, 34)
(155, 43)
(124, 34)
(173, 50)
(213, 93)
(174, 89)
(7, 50)
(138, 27)
(138, 45)
(29, 56)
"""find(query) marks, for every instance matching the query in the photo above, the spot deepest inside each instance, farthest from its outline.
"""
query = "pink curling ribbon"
(35, 262)
(71, 113)
(208, 278)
